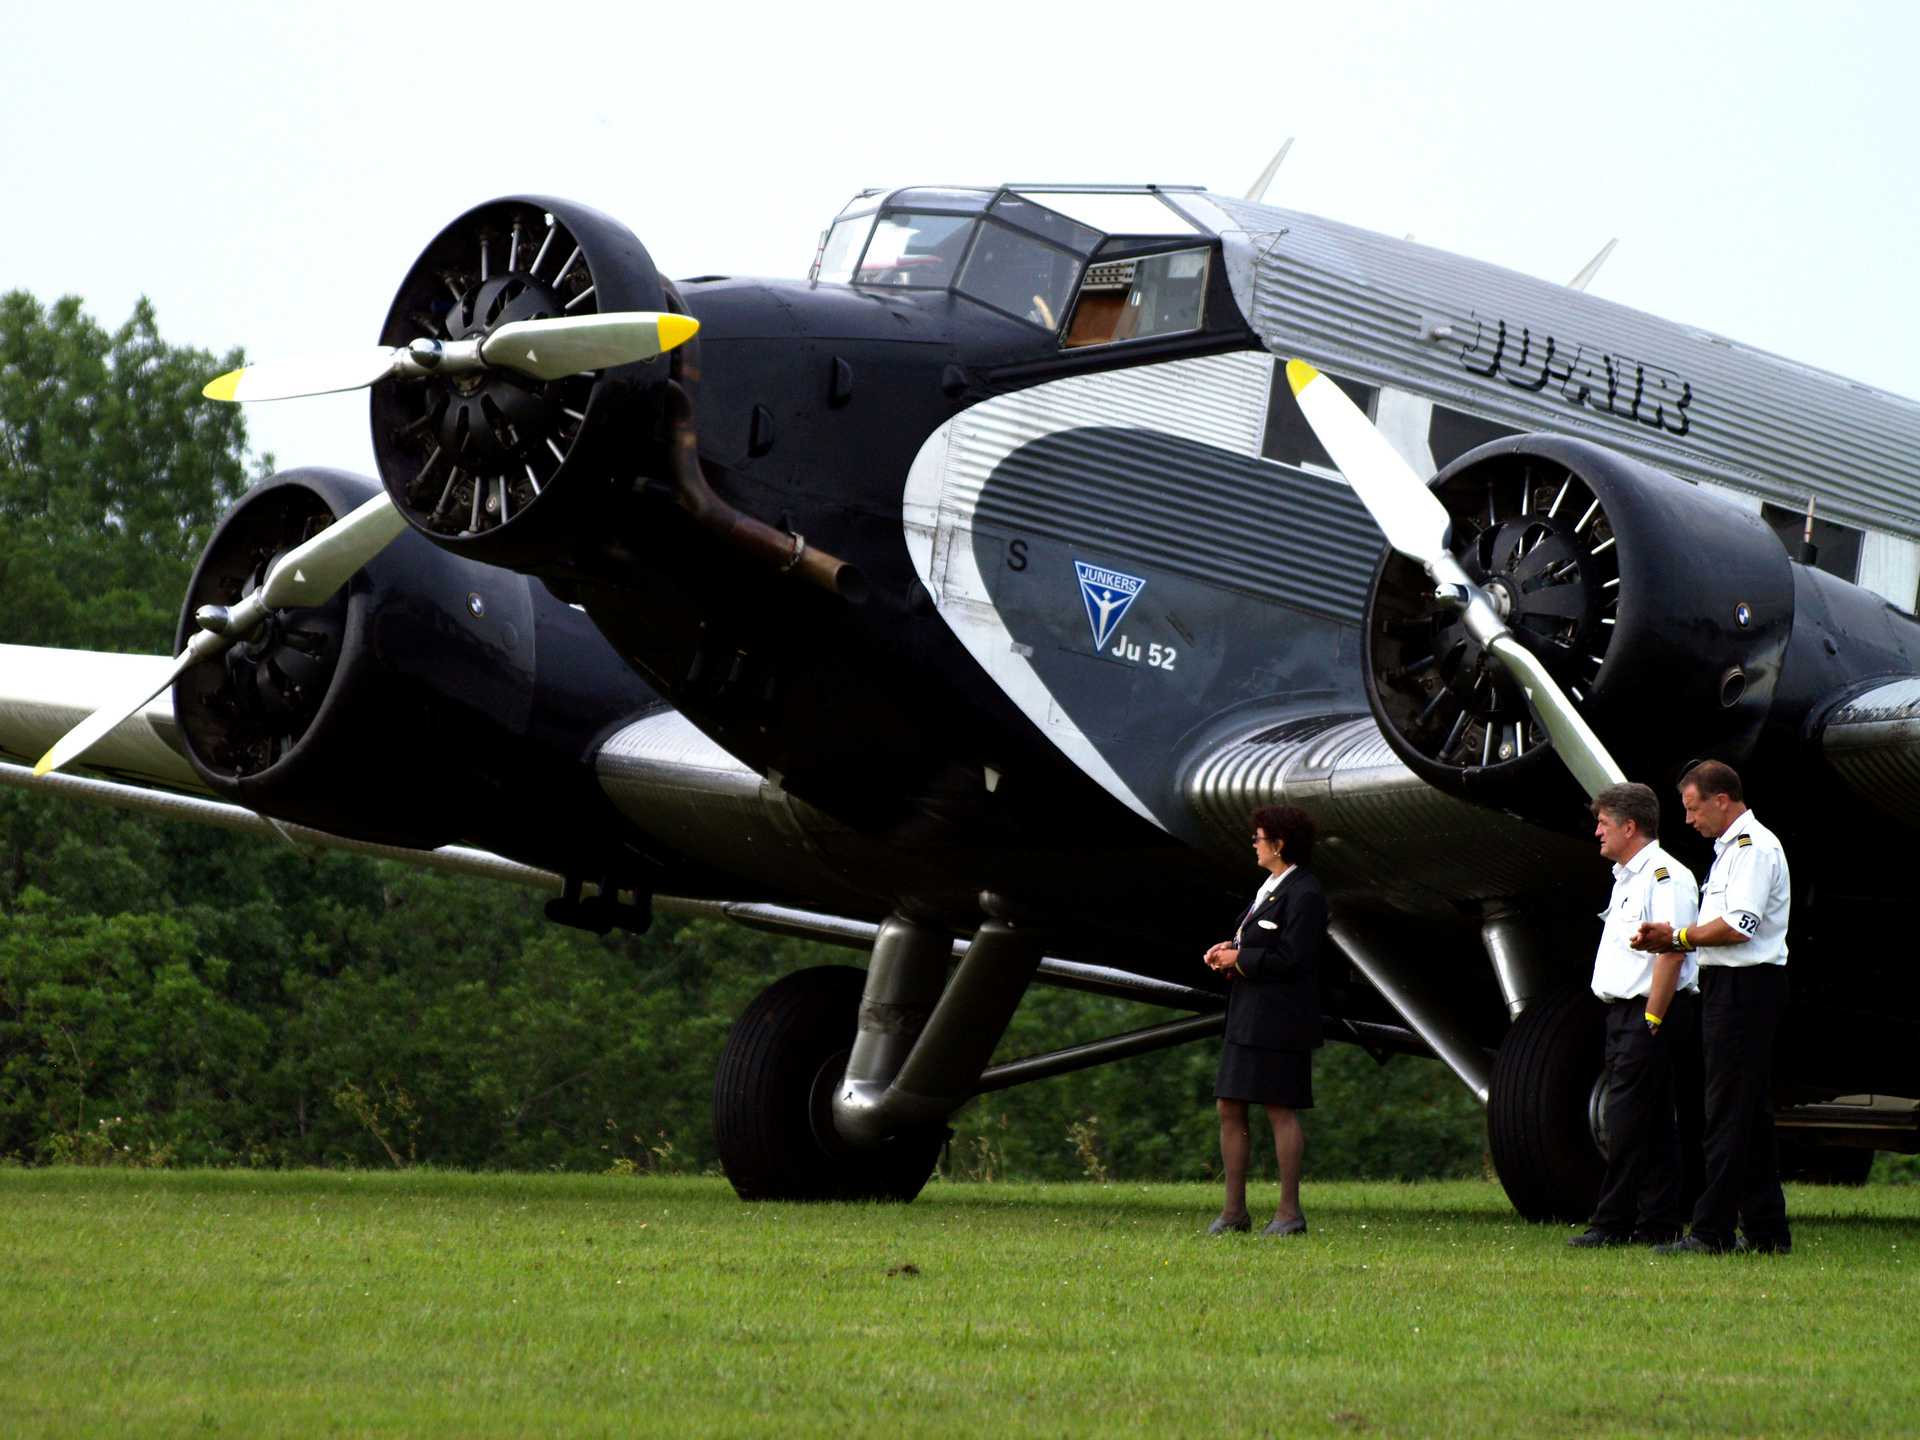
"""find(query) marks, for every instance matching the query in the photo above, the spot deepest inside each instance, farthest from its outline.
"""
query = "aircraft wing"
(658, 770)
(45, 692)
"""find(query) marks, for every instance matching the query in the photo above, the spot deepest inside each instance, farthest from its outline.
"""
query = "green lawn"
(453, 1305)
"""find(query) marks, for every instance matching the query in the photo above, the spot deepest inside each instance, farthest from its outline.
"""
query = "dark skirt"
(1265, 1077)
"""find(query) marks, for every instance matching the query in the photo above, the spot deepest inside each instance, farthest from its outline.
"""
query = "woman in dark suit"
(1273, 1015)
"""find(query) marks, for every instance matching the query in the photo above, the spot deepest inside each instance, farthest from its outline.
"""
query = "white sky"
(266, 174)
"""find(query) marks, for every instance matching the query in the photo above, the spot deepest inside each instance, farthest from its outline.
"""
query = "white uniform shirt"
(1651, 886)
(1260, 897)
(1750, 889)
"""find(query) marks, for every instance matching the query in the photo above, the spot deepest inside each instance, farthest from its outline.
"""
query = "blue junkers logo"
(1107, 594)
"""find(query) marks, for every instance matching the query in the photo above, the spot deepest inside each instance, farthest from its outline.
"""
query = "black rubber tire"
(1824, 1164)
(1538, 1125)
(783, 1058)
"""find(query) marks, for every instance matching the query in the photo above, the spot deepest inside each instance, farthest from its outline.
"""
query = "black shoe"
(1782, 1245)
(1690, 1245)
(1295, 1226)
(1597, 1239)
(1224, 1226)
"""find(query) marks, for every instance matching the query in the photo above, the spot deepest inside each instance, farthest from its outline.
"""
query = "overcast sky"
(267, 174)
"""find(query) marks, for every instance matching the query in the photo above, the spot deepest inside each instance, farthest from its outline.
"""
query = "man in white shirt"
(1742, 939)
(1640, 1198)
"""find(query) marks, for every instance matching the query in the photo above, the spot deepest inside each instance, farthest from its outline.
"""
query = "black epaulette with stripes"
(1744, 840)
(1661, 874)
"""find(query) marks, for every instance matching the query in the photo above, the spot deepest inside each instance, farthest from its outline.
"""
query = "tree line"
(171, 994)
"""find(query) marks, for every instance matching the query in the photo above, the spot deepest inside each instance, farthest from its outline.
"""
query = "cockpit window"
(932, 197)
(1133, 299)
(1043, 222)
(923, 251)
(1020, 275)
(842, 249)
(1023, 251)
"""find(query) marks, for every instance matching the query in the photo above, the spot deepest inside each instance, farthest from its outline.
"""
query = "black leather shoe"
(1597, 1239)
(1295, 1226)
(1224, 1226)
(1690, 1245)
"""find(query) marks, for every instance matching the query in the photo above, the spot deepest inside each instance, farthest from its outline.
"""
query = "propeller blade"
(570, 344)
(1573, 739)
(313, 570)
(1407, 512)
(1416, 524)
(84, 736)
(544, 349)
(320, 374)
(306, 575)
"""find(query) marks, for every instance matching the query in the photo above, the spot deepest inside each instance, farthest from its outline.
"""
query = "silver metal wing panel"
(696, 800)
(1384, 832)
(1539, 356)
(45, 692)
(1873, 743)
(166, 805)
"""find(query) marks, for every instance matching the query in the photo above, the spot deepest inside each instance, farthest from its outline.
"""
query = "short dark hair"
(1714, 777)
(1292, 827)
(1630, 801)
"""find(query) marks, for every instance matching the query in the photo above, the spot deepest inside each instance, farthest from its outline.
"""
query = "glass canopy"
(1028, 252)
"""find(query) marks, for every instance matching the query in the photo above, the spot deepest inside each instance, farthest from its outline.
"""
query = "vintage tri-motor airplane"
(960, 600)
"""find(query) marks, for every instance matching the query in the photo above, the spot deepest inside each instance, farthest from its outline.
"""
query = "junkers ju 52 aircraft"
(960, 600)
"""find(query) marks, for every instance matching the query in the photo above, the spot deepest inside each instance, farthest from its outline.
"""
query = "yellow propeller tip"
(222, 387)
(44, 764)
(676, 330)
(1300, 375)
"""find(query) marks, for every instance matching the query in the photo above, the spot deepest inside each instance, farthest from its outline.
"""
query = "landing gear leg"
(838, 1085)
(942, 1070)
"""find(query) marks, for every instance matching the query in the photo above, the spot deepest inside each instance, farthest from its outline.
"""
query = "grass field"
(244, 1303)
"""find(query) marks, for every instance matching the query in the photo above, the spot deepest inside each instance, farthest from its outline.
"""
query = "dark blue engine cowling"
(432, 699)
(500, 466)
(1662, 610)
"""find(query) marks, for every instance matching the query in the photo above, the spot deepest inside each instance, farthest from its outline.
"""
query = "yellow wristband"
(1680, 938)
(1653, 1020)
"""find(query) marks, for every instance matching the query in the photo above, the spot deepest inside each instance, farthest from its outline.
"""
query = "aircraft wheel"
(773, 1093)
(1543, 1109)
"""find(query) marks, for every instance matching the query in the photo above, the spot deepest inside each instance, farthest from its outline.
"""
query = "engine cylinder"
(1662, 611)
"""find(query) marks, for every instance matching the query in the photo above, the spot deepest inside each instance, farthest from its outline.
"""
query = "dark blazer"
(1275, 1000)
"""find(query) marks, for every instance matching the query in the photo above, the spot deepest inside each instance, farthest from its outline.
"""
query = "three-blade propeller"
(310, 572)
(305, 575)
(542, 349)
(1418, 526)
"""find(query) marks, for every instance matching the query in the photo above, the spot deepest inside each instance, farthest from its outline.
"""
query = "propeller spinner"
(1418, 526)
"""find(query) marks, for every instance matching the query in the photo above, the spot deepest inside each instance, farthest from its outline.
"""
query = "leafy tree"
(113, 473)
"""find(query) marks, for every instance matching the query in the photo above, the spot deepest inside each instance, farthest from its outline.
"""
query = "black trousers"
(1642, 1190)
(1740, 1009)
